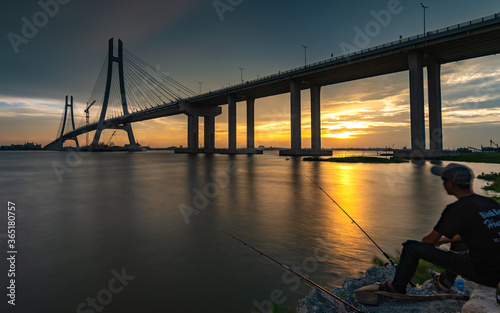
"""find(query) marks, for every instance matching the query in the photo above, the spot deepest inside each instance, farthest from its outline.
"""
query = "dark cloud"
(189, 40)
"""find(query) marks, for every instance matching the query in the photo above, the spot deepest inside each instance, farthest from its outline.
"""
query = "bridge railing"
(333, 60)
(392, 44)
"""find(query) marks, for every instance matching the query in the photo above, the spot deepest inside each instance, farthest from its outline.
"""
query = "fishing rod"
(294, 272)
(385, 254)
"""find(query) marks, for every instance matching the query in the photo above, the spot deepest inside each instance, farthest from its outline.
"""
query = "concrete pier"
(209, 131)
(295, 104)
(231, 119)
(194, 112)
(316, 117)
(435, 118)
(415, 60)
(193, 131)
(251, 123)
(295, 115)
(209, 113)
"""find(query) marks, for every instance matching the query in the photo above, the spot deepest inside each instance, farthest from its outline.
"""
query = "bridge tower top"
(118, 59)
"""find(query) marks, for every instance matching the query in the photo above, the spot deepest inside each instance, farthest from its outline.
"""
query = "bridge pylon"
(101, 124)
(58, 143)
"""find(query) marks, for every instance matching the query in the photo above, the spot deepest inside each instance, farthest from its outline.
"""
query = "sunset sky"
(207, 41)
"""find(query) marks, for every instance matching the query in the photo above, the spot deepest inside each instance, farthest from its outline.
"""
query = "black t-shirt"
(477, 220)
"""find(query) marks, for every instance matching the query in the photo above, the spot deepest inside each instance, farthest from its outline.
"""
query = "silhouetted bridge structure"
(468, 40)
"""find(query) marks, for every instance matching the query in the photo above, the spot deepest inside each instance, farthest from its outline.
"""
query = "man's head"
(455, 176)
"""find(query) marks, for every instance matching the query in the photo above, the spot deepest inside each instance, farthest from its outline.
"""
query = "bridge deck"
(465, 41)
(460, 42)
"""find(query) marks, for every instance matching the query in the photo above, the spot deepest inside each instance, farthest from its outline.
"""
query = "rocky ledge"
(482, 299)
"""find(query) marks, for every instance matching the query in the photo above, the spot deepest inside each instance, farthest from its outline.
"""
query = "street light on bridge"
(424, 7)
(200, 86)
(305, 54)
(241, 69)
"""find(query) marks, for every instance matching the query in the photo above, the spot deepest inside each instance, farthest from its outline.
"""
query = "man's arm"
(431, 238)
(436, 239)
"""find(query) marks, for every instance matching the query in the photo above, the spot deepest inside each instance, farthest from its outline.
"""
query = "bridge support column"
(193, 130)
(295, 112)
(316, 117)
(435, 119)
(232, 123)
(194, 112)
(295, 115)
(209, 131)
(415, 60)
(251, 123)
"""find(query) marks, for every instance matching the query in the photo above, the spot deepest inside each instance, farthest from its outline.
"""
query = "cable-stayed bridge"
(129, 90)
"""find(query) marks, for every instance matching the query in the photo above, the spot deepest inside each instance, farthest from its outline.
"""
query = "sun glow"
(345, 135)
(347, 129)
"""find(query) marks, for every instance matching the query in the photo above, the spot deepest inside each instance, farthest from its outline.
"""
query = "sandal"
(435, 280)
(388, 287)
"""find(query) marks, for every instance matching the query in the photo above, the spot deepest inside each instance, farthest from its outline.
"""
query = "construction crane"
(87, 119)
(492, 143)
(109, 141)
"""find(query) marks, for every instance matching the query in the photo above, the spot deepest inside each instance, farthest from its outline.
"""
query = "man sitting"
(473, 220)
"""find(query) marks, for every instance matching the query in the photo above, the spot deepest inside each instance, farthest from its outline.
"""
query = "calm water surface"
(78, 219)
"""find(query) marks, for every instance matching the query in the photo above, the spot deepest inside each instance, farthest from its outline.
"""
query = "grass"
(494, 185)
(358, 159)
(493, 178)
(478, 157)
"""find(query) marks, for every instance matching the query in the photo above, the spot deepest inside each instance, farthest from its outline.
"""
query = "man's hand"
(443, 240)
(433, 238)
(436, 239)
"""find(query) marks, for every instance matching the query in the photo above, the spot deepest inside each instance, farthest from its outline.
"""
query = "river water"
(143, 232)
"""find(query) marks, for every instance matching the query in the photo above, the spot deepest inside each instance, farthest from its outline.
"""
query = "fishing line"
(385, 254)
(294, 272)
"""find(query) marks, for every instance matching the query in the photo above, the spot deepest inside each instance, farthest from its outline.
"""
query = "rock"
(367, 295)
(482, 300)
(317, 302)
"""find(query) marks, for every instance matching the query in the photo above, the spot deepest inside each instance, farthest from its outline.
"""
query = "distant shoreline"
(358, 159)
(474, 157)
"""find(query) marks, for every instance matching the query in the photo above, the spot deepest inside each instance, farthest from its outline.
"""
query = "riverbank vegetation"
(477, 157)
(493, 178)
(358, 159)
(494, 185)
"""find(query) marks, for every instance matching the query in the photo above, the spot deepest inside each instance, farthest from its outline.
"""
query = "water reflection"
(122, 209)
